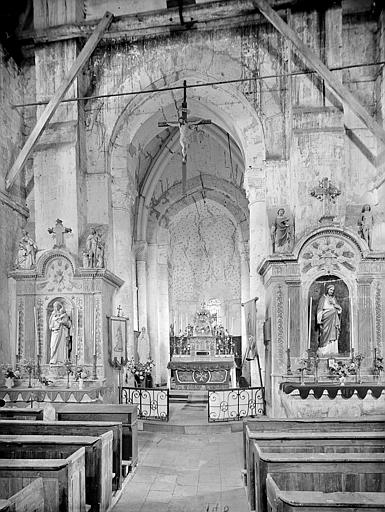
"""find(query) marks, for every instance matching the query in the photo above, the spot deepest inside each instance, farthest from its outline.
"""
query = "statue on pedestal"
(328, 319)
(365, 223)
(26, 254)
(93, 255)
(143, 346)
(60, 325)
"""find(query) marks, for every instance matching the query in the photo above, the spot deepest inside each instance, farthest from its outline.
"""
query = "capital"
(255, 184)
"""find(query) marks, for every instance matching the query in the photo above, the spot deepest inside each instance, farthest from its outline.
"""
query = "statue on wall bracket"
(26, 253)
(282, 232)
(365, 223)
(93, 254)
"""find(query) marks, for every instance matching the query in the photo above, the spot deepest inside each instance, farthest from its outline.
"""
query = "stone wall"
(12, 205)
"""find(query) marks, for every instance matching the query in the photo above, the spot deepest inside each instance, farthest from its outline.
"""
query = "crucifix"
(327, 193)
(59, 230)
(119, 310)
(184, 125)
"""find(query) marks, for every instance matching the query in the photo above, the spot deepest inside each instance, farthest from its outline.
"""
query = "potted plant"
(140, 371)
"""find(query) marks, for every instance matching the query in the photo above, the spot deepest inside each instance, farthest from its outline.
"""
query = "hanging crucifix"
(184, 125)
(327, 193)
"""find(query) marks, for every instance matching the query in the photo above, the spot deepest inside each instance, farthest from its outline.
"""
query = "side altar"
(202, 360)
(61, 312)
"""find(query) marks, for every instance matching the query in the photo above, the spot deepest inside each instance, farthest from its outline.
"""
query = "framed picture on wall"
(117, 340)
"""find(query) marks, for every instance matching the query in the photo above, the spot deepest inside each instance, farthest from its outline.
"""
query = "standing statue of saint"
(281, 232)
(365, 223)
(26, 254)
(92, 245)
(60, 325)
(143, 346)
(329, 321)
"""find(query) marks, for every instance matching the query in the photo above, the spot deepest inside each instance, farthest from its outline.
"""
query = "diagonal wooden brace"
(342, 92)
(50, 109)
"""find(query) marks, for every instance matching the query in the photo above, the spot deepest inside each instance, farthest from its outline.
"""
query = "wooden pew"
(288, 500)
(331, 472)
(30, 498)
(252, 427)
(72, 428)
(98, 459)
(4, 506)
(63, 480)
(308, 442)
(126, 414)
(21, 413)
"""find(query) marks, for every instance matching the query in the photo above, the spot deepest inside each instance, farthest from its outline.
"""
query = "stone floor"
(186, 472)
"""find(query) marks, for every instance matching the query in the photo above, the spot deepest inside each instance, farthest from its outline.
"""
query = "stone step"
(180, 395)
(209, 428)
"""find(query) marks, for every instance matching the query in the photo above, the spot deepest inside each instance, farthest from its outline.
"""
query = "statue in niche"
(143, 346)
(281, 232)
(60, 325)
(93, 255)
(329, 322)
(365, 223)
(26, 253)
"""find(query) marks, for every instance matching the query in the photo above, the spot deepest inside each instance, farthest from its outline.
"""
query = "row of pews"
(328, 465)
(75, 463)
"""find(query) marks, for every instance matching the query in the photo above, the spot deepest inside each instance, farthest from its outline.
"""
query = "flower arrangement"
(46, 382)
(140, 370)
(11, 373)
(378, 365)
(342, 369)
(81, 373)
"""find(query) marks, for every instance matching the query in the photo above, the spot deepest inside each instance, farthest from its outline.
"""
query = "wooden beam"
(342, 92)
(50, 109)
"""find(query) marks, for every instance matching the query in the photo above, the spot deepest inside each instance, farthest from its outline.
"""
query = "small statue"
(329, 322)
(281, 232)
(93, 254)
(59, 325)
(100, 254)
(365, 223)
(26, 253)
(143, 346)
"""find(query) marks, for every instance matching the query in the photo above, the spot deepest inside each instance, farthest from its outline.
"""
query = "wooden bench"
(29, 499)
(126, 414)
(327, 472)
(72, 428)
(63, 480)
(287, 500)
(98, 459)
(21, 413)
(309, 442)
(251, 427)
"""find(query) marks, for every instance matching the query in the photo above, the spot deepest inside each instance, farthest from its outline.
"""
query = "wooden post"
(50, 109)
(342, 92)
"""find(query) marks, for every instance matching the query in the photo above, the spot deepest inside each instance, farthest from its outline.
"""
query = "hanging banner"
(250, 311)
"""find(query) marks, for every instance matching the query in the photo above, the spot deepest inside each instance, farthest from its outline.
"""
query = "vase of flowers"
(378, 365)
(303, 365)
(80, 375)
(342, 369)
(140, 371)
(10, 376)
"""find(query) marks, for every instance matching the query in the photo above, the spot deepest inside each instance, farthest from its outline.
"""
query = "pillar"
(255, 185)
(141, 249)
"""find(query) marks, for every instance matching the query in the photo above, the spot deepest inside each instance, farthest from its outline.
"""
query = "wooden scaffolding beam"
(50, 109)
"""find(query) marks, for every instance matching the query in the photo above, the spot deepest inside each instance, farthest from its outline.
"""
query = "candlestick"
(309, 333)
(288, 366)
(288, 325)
(36, 332)
(17, 335)
(94, 376)
(94, 351)
(76, 333)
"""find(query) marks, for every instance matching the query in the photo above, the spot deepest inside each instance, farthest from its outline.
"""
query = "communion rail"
(235, 404)
(152, 403)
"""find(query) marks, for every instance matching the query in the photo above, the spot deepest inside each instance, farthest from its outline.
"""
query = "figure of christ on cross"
(184, 126)
(59, 230)
(327, 193)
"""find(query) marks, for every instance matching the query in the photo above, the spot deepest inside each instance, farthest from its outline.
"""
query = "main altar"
(203, 357)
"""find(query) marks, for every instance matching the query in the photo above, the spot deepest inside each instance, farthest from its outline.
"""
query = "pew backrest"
(28, 499)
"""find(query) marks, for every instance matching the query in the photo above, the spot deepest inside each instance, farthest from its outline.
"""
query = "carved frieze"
(328, 254)
(280, 325)
(378, 317)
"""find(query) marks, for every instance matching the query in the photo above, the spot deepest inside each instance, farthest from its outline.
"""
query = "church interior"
(192, 241)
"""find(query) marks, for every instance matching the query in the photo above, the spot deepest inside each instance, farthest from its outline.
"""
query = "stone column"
(255, 185)
(245, 295)
(164, 321)
(298, 346)
(141, 281)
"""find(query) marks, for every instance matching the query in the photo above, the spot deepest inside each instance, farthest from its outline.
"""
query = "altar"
(204, 357)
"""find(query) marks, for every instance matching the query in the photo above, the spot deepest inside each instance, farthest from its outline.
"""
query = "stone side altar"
(201, 367)
(82, 296)
(347, 380)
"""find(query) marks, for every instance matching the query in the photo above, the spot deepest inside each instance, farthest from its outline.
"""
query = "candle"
(310, 313)
(95, 332)
(288, 325)
(17, 332)
(36, 332)
(76, 332)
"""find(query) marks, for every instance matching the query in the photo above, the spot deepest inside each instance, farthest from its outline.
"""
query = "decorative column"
(164, 320)
(141, 281)
(297, 345)
(255, 186)
(365, 316)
